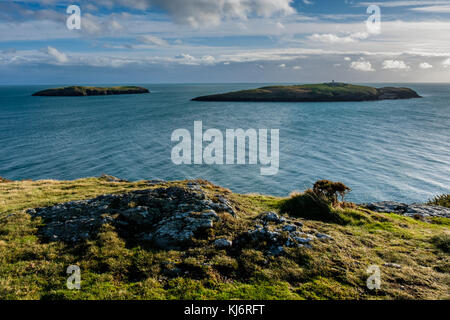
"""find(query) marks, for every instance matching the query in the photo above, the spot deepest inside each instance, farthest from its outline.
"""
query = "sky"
(204, 41)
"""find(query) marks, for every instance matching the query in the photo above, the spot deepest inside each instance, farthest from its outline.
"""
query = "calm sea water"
(386, 150)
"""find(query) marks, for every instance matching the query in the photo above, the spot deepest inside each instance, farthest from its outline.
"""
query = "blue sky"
(164, 41)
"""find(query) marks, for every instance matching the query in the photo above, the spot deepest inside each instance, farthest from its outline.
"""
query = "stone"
(323, 236)
(387, 206)
(302, 240)
(411, 210)
(289, 228)
(223, 243)
(276, 250)
(211, 214)
(271, 217)
(392, 265)
(427, 211)
(137, 215)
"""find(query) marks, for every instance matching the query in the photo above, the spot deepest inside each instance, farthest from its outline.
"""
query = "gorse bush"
(442, 200)
(317, 203)
(330, 190)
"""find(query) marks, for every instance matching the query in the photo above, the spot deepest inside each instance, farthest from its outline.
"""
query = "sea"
(395, 150)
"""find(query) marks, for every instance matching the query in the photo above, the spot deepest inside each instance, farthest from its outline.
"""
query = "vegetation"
(324, 92)
(318, 203)
(91, 91)
(442, 200)
(111, 268)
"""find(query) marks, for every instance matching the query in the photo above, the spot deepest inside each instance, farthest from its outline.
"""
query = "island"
(325, 92)
(75, 91)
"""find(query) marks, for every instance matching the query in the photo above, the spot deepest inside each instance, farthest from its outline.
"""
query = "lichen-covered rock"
(167, 217)
(223, 243)
(411, 210)
(387, 206)
(270, 217)
(323, 236)
(289, 227)
(427, 211)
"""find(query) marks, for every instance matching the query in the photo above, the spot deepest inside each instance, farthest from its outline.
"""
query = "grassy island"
(74, 91)
(325, 92)
(196, 240)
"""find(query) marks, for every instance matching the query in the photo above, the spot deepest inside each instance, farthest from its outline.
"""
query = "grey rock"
(323, 236)
(392, 265)
(302, 240)
(276, 250)
(211, 214)
(289, 228)
(411, 210)
(387, 206)
(427, 211)
(271, 217)
(223, 243)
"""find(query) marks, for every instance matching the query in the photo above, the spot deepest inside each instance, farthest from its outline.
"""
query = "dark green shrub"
(442, 200)
(330, 190)
(317, 203)
(309, 206)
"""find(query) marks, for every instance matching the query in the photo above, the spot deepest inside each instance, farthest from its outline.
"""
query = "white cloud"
(395, 65)
(446, 63)
(433, 9)
(152, 40)
(407, 3)
(96, 26)
(362, 65)
(333, 38)
(330, 38)
(425, 65)
(53, 52)
(198, 13)
(348, 59)
(308, 2)
(296, 67)
(282, 66)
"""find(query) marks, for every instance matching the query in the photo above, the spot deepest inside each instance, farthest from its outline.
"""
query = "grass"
(113, 269)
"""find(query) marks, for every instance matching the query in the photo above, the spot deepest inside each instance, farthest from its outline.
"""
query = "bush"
(442, 200)
(309, 206)
(317, 203)
(330, 190)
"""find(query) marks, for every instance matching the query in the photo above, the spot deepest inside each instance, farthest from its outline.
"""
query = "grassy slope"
(31, 269)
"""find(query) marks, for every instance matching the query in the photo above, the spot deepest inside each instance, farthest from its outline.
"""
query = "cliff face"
(326, 92)
(90, 91)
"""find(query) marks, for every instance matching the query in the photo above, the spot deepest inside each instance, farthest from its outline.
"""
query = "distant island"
(75, 91)
(325, 92)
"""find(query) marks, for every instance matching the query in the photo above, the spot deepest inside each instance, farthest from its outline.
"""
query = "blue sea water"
(384, 150)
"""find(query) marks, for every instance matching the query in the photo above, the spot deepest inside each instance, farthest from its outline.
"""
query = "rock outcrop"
(169, 217)
(411, 210)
